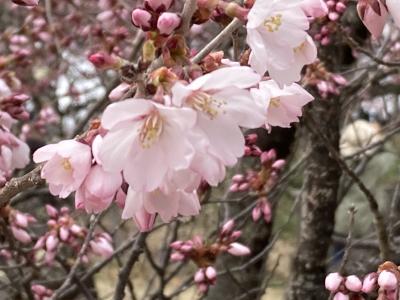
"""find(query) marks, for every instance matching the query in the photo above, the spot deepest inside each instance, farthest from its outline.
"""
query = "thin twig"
(215, 42)
(187, 13)
(123, 275)
(77, 262)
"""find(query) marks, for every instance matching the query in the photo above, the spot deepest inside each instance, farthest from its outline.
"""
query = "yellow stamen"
(299, 48)
(151, 129)
(273, 23)
(275, 102)
(203, 102)
(66, 164)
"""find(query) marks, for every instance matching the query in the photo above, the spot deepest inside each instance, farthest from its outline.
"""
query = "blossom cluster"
(204, 255)
(385, 281)
(150, 153)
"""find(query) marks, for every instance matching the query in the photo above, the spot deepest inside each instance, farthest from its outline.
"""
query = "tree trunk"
(319, 202)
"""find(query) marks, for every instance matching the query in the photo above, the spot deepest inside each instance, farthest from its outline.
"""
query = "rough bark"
(319, 202)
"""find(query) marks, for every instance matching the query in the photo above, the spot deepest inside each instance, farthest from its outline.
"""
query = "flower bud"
(21, 235)
(51, 242)
(141, 18)
(211, 273)
(333, 281)
(238, 249)
(64, 233)
(52, 212)
(168, 22)
(353, 283)
(387, 280)
(279, 164)
(227, 227)
(21, 220)
(176, 256)
(199, 276)
(341, 296)
(369, 283)
(256, 213)
(158, 5)
(104, 61)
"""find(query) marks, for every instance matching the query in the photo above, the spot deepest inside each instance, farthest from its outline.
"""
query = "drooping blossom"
(222, 104)
(373, 16)
(67, 165)
(98, 190)
(276, 34)
(283, 106)
(145, 141)
(167, 204)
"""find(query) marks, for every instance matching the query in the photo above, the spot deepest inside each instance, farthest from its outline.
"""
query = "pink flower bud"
(203, 287)
(199, 276)
(141, 18)
(256, 213)
(168, 22)
(76, 229)
(158, 5)
(341, 296)
(119, 92)
(267, 157)
(333, 281)
(39, 243)
(237, 178)
(21, 235)
(64, 233)
(236, 234)
(251, 138)
(387, 280)
(51, 242)
(333, 16)
(176, 256)
(176, 245)
(227, 227)
(244, 187)
(102, 60)
(52, 212)
(369, 283)
(211, 273)
(102, 247)
(21, 220)
(234, 188)
(238, 249)
(39, 290)
(26, 2)
(353, 283)
(279, 164)
(49, 257)
(186, 248)
(340, 7)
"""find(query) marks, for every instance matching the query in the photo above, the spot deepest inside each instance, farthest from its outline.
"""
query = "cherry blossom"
(146, 140)
(222, 104)
(276, 34)
(283, 106)
(67, 164)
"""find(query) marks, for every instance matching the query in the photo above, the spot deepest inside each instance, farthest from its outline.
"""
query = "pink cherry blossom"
(275, 29)
(98, 190)
(141, 18)
(283, 106)
(67, 164)
(21, 235)
(222, 104)
(146, 140)
(168, 204)
(369, 283)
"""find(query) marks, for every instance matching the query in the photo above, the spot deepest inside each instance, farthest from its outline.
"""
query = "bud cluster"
(385, 281)
(204, 255)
